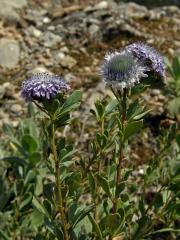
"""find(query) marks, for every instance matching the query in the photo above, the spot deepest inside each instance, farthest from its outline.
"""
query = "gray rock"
(51, 28)
(156, 14)
(171, 10)
(9, 53)
(16, 108)
(9, 14)
(68, 62)
(36, 16)
(125, 27)
(93, 30)
(34, 32)
(8, 9)
(70, 78)
(50, 39)
(99, 6)
(9, 90)
(136, 10)
(56, 3)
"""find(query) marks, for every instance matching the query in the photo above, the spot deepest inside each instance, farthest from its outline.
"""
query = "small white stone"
(102, 5)
(46, 20)
(51, 28)
(37, 33)
(59, 56)
(141, 171)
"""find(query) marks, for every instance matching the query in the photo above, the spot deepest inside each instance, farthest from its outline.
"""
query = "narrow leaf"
(4, 236)
(96, 227)
(14, 160)
(39, 207)
(81, 214)
(91, 183)
(105, 185)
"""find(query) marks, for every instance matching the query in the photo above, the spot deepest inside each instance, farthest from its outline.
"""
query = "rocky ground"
(71, 39)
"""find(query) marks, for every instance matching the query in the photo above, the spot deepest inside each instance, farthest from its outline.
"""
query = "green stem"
(40, 107)
(58, 185)
(99, 171)
(121, 150)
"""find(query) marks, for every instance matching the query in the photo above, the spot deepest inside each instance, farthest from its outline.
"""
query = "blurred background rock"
(72, 36)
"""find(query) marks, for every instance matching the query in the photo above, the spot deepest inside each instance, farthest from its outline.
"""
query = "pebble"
(177, 43)
(93, 30)
(59, 56)
(51, 28)
(36, 33)
(136, 10)
(9, 90)
(15, 123)
(171, 51)
(16, 108)
(70, 78)
(155, 92)
(101, 5)
(50, 39)
(68, 61)
(9, 53)
(161, 98)
(46, 20)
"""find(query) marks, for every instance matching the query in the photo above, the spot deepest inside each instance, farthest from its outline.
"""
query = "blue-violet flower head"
(122, 70)
(149, 57)
(43, 86)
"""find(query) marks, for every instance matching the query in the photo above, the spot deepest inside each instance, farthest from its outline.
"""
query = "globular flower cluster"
(149, 56)
(127, 67)
(43, 86)
(122, 70)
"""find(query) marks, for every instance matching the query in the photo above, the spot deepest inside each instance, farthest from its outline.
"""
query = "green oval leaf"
(29, 143)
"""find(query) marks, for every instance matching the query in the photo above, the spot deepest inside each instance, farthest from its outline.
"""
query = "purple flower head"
(43, 86)
(122, 70)
(149, 57)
